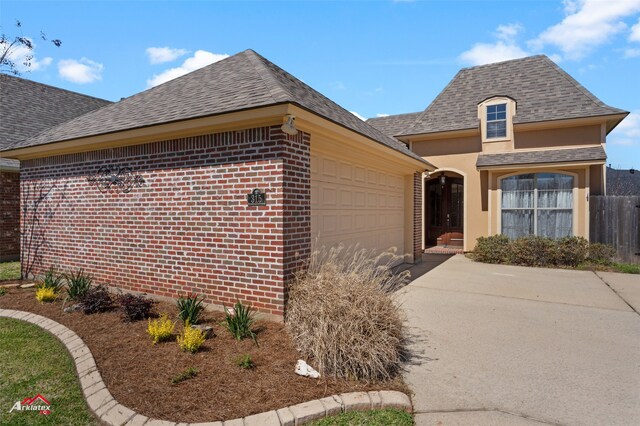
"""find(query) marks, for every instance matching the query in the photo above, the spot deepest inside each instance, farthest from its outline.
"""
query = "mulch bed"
(138, 374)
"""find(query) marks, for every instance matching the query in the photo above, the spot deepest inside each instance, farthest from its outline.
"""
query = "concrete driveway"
(508, 345)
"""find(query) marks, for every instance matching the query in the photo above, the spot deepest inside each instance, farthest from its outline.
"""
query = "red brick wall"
(9, 216)
(417, 217)
(187, 227)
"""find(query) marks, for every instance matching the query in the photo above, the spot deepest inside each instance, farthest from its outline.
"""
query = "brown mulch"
(138, 374)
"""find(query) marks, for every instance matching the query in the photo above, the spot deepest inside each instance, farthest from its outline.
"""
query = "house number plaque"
(257, 198)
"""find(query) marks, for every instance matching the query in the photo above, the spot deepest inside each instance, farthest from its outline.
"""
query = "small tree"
(9, 46)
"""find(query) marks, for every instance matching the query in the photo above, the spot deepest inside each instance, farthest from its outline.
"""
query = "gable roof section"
(243, 81)
(392, 125)
(27, 108)
(542, 90)
(571, 155)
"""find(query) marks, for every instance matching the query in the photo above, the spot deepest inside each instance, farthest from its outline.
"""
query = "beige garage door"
(352, 203)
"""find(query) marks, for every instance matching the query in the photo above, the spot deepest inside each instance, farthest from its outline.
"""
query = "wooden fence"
(615, 220)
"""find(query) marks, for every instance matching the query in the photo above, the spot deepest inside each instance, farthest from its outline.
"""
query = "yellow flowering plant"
(160, 329)
(191, 339)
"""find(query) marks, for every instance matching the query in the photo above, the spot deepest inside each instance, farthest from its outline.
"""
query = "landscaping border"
(111, 412)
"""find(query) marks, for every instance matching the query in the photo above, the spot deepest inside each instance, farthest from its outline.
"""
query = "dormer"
(496, 123)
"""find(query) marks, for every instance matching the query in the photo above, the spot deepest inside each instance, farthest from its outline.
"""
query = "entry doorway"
(444, 213)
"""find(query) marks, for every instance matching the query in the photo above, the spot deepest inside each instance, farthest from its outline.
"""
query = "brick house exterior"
(9, 215)
(183, 224)
(27, 108)
(187, 227)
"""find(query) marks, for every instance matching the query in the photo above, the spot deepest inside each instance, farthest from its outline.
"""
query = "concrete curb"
(111, 412)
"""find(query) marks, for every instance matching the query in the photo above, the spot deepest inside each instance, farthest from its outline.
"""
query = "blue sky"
(371, 57)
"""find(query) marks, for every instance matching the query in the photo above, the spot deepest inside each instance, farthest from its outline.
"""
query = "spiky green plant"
(239, 321)
(51, 279)
(190, 308)
(78, 282)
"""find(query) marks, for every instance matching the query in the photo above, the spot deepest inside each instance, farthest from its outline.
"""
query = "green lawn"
(9, 271)
(34, 362)
(370, 418)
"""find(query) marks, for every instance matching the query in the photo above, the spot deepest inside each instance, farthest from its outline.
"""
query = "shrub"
(46, 294)
(342, 313)
(96, 299)
(240, 321)
(78, 283)
(187, 374)
(191, 339)
(532, 251)
(3, 291)
(494, 249)
(190, 307)
(51, 279)
(571, 251)
(245, 362)
(602, 254)
(160, 329)
(135, 308)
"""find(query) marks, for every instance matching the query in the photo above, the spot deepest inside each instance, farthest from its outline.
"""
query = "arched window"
(537, 204)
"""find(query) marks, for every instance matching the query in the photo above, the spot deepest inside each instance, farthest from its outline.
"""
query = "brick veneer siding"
(9, 216)
(187, 227)
(417, 216)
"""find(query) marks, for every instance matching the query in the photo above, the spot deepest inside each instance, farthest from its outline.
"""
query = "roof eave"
(544, 165)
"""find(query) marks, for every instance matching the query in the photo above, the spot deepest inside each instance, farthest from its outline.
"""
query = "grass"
(388, 417)
(34, 362)
(627, 268)
(9, 271)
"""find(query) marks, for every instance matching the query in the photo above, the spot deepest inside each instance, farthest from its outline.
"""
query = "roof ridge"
(394, 115)
(37, 83)
(524, 58)
(593, 98)
(265, 74)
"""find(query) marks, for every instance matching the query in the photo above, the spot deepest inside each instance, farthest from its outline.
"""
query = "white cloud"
(81, 72)
(358, 115)
(382, 115)
(502, 50)
(19, 55)
(635, 32)
(631, 53)
(486, 53)
(199, 59)
(587, 24)
(628, 132)
(159, 55)
(508, 32)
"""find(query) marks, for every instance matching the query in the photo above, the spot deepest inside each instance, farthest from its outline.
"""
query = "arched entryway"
(444, 200)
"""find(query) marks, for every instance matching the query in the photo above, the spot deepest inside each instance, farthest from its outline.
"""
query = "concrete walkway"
(508, 345)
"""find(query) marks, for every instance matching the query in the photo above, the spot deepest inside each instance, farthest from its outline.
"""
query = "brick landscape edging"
(111, 412)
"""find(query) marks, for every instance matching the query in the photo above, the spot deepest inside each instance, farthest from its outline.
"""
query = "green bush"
(78, 283)
(190, 308)
(3, 291)
(601, 254)
(532, 251)
(245, 362)
(239, 321)
(628, 268)
(571, 251)
(494, 249)
(187, 374)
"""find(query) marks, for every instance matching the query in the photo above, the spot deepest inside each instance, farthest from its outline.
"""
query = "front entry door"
(444, 212)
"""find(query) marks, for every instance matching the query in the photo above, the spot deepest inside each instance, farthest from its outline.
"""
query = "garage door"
(352, 203)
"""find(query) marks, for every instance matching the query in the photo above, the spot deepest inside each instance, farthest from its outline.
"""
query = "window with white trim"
(537, 204)
(496, 121)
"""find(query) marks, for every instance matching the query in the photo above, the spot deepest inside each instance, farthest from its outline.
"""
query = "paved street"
(508, 345)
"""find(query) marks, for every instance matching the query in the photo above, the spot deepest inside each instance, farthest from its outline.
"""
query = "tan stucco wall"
(558, 138)
(482, 196)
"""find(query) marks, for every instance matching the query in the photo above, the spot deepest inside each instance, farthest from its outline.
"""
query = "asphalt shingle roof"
(570, 155)
(243, 81)
(542, 90)
(392, 125)
(27, 108)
